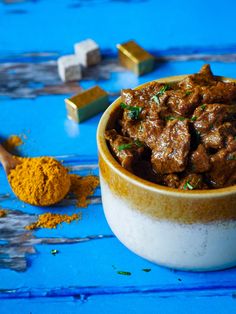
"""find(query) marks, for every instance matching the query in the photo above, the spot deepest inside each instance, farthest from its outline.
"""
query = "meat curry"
(181, 134)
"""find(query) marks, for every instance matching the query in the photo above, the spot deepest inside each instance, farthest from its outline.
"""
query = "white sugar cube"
(88, 52)
(69, 68)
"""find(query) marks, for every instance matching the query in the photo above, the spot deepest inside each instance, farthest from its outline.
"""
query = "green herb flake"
(134, 111)
(124, 273)
(188, 92)
(188, 186)
(156, 99)
(124, 146)
(146, 270)
(193, 118)
(160, 93)
(171, 118)
(203, 107)
(54, 252)
(231, 157)
(138, 143)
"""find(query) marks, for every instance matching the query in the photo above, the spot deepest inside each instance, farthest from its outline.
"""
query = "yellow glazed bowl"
(188, 230)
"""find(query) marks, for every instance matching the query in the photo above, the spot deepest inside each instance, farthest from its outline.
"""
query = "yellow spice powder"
(3, 213)
(12, 142)
(82, 187)
(40, 181)
(51, 221)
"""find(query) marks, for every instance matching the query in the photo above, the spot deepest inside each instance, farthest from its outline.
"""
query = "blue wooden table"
(84, 277)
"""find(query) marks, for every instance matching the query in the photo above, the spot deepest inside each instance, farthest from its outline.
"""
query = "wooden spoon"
(8, 160)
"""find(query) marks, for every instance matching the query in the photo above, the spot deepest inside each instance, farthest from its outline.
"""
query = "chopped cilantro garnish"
(146, 270)
(171, 118)
(124, 146)
(134, 111)
(124, 273)
(156, 99)
(138, 143)
(193, 118)
(231, 157)
(203, 107)
(129, 145)
(188, 92)
(163, 89)
(54, 252)
(159, 93)
(188, 186)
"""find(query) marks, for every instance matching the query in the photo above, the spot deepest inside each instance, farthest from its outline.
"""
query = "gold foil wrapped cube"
(135, 58)
(86, 104)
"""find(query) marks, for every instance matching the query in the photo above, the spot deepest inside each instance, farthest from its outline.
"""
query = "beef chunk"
(127, 151)
(151, 130)
(223, 166)
(221, 92)
(200, 160)
(212, 139)
(216, 138)
(204, 77)
(211, 90)
(172, 146)
(210, 116)
(171, 180)
(183, 102)
(143, 97)
(210, 124)
(192, 181)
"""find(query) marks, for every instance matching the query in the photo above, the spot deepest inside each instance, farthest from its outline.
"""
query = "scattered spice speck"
(82, 187)
(3, 213)
(146, 270)
(124, 273)
(51, 221)
(12, 143)
(54, 252)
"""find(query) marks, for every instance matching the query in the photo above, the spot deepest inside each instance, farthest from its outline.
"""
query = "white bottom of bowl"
(196, 247)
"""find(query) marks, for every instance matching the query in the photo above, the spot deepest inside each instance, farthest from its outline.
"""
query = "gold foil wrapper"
(135, 58)
(86, 104)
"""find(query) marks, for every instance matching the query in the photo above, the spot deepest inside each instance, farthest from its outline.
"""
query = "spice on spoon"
(40, 181)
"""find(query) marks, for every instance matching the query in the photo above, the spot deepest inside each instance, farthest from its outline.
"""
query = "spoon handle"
(7, 160)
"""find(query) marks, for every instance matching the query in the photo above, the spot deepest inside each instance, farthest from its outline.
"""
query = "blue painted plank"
(89, 267)
(119, 304)
(151, 22)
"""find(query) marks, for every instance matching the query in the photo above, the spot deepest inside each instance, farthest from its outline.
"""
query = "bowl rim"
(132, 178)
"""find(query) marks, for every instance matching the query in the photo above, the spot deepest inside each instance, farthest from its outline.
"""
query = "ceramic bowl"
(187, 230)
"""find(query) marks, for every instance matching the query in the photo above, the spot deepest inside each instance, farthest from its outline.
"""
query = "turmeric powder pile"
(82, 187)
(12, 142)
(40, 181)
(51, 221)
